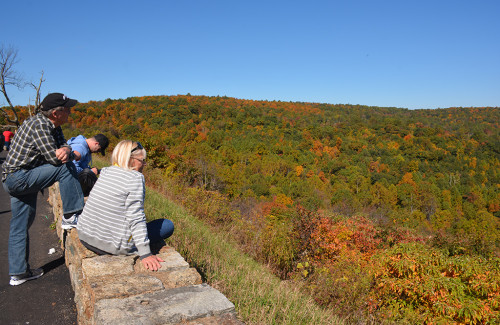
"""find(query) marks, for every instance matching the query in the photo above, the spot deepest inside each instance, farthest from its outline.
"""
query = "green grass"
(258, 295)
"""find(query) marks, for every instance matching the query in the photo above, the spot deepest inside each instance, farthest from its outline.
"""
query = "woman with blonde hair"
(113, 219)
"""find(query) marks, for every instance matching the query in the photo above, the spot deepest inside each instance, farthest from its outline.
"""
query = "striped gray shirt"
(113, 218)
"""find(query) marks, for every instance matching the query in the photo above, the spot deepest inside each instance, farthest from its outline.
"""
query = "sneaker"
(70, 222)
(26, 276)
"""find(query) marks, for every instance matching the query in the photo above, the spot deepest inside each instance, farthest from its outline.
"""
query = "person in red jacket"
(8, 137)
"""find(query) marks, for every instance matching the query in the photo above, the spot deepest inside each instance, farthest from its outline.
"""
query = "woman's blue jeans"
(23, 187)
(159, 230)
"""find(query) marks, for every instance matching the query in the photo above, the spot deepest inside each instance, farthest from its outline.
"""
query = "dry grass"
(259, 296)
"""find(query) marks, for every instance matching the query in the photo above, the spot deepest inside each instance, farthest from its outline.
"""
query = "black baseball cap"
(103, 142)
(56, 100)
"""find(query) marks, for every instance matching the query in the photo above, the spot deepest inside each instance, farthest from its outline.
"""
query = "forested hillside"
(382, 211)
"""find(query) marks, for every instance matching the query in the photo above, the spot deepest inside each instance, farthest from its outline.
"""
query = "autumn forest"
(378, 211)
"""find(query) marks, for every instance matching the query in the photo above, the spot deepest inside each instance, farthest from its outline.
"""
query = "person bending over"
(113, 219)
(83, 149)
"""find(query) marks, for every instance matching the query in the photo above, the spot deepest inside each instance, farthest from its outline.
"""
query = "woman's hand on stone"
(152, 262)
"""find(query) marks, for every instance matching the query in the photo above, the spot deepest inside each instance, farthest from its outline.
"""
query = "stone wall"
(119, 290)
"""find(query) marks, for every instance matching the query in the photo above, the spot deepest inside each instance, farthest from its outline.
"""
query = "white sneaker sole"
(21, 281)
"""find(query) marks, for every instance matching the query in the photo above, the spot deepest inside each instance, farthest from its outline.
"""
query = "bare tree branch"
(9, 77)
(37, 98)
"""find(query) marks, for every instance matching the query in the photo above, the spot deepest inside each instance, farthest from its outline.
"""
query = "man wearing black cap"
(83, 149)
(39, 156)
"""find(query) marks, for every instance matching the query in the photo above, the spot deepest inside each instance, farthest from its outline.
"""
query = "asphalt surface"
(48, 299)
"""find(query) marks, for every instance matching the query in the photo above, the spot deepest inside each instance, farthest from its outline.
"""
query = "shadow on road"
(53, 264)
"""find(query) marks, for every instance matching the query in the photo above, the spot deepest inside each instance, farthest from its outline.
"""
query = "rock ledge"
(118, 290)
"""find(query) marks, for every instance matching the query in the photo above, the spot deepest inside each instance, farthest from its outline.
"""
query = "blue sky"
(410, 54)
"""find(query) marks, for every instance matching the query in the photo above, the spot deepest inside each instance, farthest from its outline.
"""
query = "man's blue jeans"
(23, 187)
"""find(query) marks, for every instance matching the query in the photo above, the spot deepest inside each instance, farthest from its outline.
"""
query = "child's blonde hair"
(122, 154)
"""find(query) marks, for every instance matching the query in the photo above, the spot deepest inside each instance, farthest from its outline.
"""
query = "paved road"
(49, 299)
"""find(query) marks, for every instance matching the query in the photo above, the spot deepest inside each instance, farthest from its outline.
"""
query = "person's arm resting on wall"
(134, 206)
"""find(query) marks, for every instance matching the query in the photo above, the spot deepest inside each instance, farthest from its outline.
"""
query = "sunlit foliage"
(380, 211)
